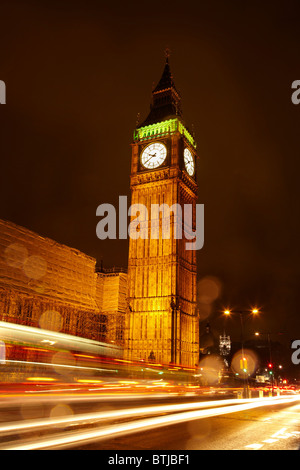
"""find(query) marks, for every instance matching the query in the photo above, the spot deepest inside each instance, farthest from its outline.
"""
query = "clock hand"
(151, 156)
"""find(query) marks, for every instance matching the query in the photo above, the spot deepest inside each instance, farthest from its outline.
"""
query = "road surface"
(149, 423)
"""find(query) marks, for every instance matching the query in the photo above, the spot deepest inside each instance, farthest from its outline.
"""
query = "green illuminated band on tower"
(163, 128)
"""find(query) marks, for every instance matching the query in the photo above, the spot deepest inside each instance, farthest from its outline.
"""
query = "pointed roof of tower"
(165, 98)
(166, 81)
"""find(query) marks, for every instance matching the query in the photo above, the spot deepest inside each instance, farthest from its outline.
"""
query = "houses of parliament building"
(148, 309)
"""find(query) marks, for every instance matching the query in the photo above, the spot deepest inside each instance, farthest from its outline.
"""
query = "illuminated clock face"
(154, 155)
(189, 162)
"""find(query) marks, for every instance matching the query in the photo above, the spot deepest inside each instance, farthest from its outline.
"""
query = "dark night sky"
(77, 73)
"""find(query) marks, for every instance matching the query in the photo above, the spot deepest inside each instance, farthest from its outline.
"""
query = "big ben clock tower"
(162, 323)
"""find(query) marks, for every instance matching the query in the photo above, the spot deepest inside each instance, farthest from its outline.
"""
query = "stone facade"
(162, 275)
(49, 285)
(111, 299)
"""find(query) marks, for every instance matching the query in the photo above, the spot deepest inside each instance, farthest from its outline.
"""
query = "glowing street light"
(228, 312)
(254, 311)
(270, 365)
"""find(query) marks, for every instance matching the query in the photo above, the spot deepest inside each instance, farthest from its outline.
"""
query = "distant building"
(52, 286)
(224, 345)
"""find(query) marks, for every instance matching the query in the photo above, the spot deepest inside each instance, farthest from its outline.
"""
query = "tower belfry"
(162, 322)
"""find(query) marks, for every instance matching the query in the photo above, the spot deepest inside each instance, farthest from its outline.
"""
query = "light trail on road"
(105, 415)
(72, 438)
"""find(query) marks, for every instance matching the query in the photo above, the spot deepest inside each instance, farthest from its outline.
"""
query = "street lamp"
(270, 365)
(241, 313)
(254, 311)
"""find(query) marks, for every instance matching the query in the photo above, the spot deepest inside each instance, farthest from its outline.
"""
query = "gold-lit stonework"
(162, 324)
(49, 285)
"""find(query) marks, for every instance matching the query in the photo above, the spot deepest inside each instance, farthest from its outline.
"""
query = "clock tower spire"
(165, 98)
(162, 324)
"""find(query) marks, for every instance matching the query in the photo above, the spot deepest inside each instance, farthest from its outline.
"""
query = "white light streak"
(84, 437)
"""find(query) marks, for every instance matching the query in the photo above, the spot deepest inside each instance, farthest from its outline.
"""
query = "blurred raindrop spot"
(35, 267)
(244, 362)
(32, 411)
(208, 290)
(210, 368)
(15, 255)
(51, 320)
(61, 410)
(204, 310)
